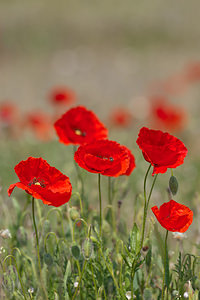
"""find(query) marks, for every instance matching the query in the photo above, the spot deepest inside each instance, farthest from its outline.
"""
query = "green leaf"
(135, 239)
(67, 274)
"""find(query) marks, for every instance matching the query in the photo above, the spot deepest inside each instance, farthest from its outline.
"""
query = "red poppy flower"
(41, 125)
(121, 117)
(161, 149)
(166, 115)
(192, 73)
(173, 216)
(62, 95)
(42, 181)
(8, 113)
(79, 126)
(105, 157)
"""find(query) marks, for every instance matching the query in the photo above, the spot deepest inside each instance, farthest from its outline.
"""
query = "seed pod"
(173, 185)
(87, 248)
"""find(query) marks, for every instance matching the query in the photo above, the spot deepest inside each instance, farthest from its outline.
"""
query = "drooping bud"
(74, 213)
(48, 259)
(87, 248)
(75, 251)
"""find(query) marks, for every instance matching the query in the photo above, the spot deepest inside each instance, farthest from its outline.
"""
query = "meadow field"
(99, 150)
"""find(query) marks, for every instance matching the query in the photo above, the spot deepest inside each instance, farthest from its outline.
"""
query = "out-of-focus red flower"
(42, 181)
(167, 116)
(41, 125)
(161, 149)
(105, 157)
(192, 72)
(121, 117)
(8, 114)
(79, 126)
(173, 216)
(62, 96)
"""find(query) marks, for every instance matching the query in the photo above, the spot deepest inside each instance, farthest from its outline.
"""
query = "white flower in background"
(75, 284)
(128, 295)
(2, 250)
(186, 295)
(5, 234)
(31, 290)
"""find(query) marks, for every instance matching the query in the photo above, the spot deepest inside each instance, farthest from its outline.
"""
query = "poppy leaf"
(135, 239)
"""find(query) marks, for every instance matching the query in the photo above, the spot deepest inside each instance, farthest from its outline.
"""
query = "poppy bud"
(74, 214)
(119, 258)
(22, 236)
(173, 185)
(75, 250)
(87, 248)
(48, 259)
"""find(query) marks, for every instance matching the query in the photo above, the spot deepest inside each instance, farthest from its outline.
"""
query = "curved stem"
(38, 251)
(60, 215)
(164, 273)
(46, 237)
(100, 206)
(23, 290)
(80, 278)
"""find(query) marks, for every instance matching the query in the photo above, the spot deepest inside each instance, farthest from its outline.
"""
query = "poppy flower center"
(79, 132)
(36, 181)
(106, 158)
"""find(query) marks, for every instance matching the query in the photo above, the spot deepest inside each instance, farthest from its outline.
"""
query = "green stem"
(70, 223)
(80, 278)
(112, 275)
(164, 273)
(94, 281)
(145, 207)
(38, 251)
(23, 290)
(110, 202)
(79, 175)
(100, 206)
(154, 180)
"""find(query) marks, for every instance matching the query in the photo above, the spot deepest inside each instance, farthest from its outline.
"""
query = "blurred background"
(109, 52)
(113, 55)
